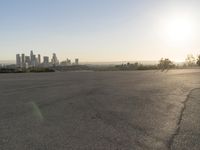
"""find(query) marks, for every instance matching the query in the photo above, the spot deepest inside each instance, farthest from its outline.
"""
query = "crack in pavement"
(177, 130)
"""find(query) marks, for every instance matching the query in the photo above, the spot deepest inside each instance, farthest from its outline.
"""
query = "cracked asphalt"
(188, 131)
(137, 110)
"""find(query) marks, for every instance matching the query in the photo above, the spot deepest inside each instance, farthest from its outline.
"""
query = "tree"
(190, 60)
(165, 64)
(198, 60)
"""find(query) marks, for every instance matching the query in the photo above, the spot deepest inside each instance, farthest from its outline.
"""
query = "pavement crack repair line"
(178, 124)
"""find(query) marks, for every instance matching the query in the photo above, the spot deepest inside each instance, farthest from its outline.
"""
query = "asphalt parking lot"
(100, 110)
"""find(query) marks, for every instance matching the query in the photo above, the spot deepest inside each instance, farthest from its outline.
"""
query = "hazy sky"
(100, 30)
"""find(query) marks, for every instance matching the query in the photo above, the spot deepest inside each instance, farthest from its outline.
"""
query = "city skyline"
(98, 31)
(35, 60)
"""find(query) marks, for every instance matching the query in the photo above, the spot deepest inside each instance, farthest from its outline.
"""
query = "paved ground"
(188, 132)
(100, 110)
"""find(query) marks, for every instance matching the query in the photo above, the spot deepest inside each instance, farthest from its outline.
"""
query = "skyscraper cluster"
(23, 61)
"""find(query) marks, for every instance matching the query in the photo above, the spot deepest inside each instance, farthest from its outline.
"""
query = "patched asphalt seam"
(176, 132)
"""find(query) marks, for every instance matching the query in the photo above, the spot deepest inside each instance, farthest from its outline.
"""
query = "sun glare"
(179, 30)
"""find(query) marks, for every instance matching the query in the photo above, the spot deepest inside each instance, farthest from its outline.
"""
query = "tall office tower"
(46, 61)
(23, 60)
(76, 61)
(39, 59)
(31, 57)
(54, 60)
(18, 60)
(34, 61)
(27, 61)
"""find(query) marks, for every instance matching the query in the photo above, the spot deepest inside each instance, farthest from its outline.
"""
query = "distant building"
(23, 63)
(76, 61)
(34, 61)
(63, 63)
(27, 60)
(39, 59)
(54, 60)
(18, 60)
(31, 57)
(46, 61)
(68, 61)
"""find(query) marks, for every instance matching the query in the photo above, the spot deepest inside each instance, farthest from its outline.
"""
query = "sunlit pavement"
(188, 133)
(100, 110)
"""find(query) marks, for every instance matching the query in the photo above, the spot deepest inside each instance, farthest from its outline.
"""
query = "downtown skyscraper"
(23, 61)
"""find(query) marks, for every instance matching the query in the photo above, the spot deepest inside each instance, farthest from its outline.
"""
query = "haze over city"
(106, 30)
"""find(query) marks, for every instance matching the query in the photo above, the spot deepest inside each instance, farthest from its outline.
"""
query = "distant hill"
(144, 62)
(120, 62)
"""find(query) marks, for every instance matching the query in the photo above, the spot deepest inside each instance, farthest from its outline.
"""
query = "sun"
(179, 30)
